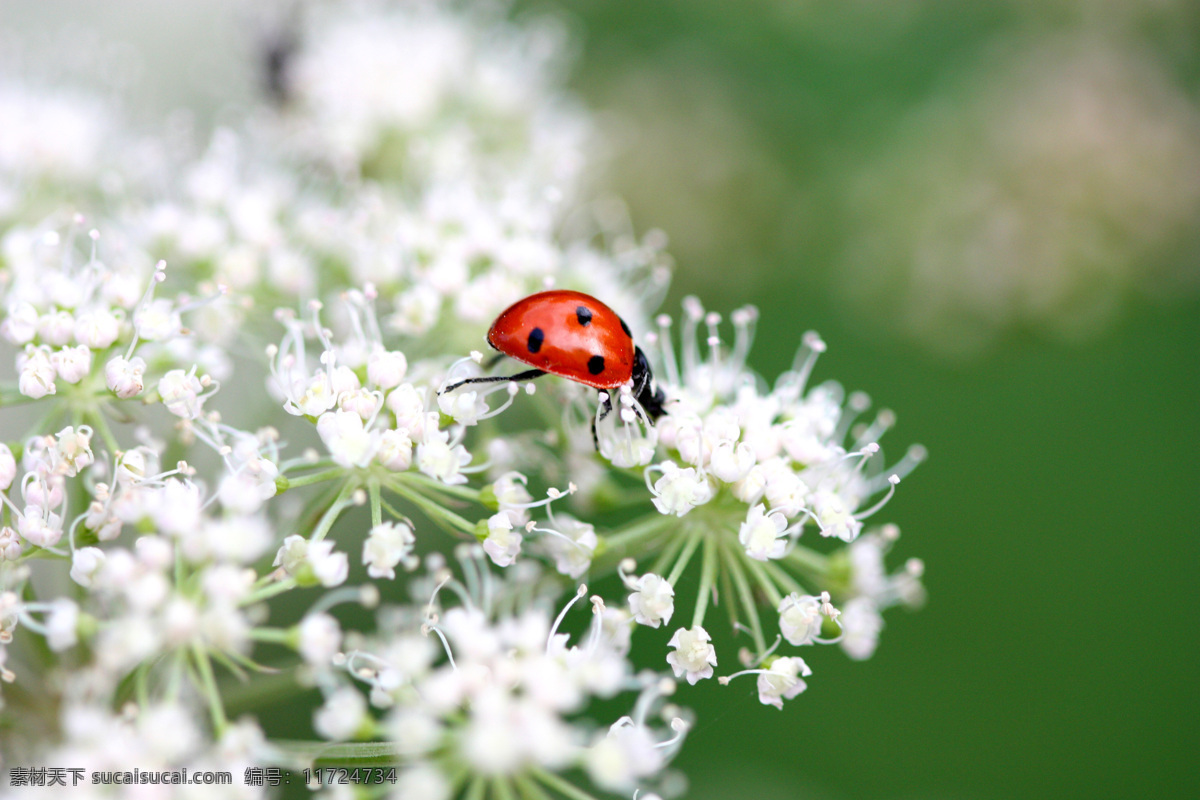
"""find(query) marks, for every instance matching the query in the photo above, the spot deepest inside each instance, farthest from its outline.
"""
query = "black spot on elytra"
(596, 365)
(534, 343)
(584, 315)
(625, 328)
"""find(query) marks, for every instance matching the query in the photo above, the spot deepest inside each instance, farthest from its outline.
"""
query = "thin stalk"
(708, 576)
(688, 549)
(746, 596)
(204, 667)
(764, 581)
(333, 512)
(461, 492)
(315, 477)
(559, 785)
(477, 790)
(786, 581)
(376, 509)
(528, 788)
(431, 508)
(668, 554)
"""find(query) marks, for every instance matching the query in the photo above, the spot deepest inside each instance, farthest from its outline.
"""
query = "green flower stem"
(502, 789)
(268, 591)
(783, 579)
(529, 789)
(431, 508)
(376, 509)
(204, 667)
(175, 676)
(757, 568)
(639, 530)
(559, 785)
(693, 542)
(708, 576)
(808, 560)
(477, 790)
(100, 425)
(315, 477)
(461, 492)
(746, 596)
(275, 635)
(668, 554)
(334, 511)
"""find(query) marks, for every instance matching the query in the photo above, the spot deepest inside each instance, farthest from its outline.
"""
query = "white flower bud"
(21, 324)
(730, 461)
(86, 564)
(72, 363)
(386, 368)
(800, 618)
(8, 467)
(502, 544)
(181, 393)
(347, 440)
(36, 373)
(395, 450)
(320, 639)
(342, 715)
(39, 527)
(61, 624)
(125, 376)
(96, 329)
(56, 328)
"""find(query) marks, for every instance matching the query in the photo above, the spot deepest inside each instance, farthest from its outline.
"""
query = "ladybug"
(575, 336)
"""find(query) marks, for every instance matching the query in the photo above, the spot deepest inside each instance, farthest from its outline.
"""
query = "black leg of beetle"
(604, 411)
(650, 399)
(492, 361)
(527, 375)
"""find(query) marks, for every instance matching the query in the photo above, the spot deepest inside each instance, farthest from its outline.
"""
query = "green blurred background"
(1057, 513)
(989, 211)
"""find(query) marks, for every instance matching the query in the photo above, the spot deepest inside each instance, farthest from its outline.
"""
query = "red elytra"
(569, 334)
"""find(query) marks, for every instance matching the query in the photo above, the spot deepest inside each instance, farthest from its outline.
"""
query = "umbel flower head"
(243, 428)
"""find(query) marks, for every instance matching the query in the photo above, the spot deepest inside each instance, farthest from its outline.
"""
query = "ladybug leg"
(491, 363)
(527, 375)
(604, 411)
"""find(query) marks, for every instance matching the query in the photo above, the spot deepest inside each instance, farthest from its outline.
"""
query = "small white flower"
(96, 329)
(56, 327)
(386, 368)
(157, 321)
(835, 518)
(86, 564)
(502, 544)
(8, 467)
(653, 600)
(20, 326)
(39, 527)
(312, 562)
(678, 491)
(800, 618)
(320, 637)
(762, 534)
(61, 624)
(407, 404)
(572, 550)
(619, 758)
(782, 681)
(395, 450)
(182, 393)
(437, 459)
(72, 363)
(387, 545)
(422, 782)
(125, 377)
(73, 450)
(694, 655)
(10, 544)
(861, 625)
(36, 373)
(731, 461)
(341, 716)
(362, 402)
(347, 439)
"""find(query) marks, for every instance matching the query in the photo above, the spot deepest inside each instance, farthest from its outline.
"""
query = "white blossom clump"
(239, 356)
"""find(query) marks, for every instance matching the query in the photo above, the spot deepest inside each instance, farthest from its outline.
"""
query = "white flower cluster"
(501, 692)
(161, 510)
